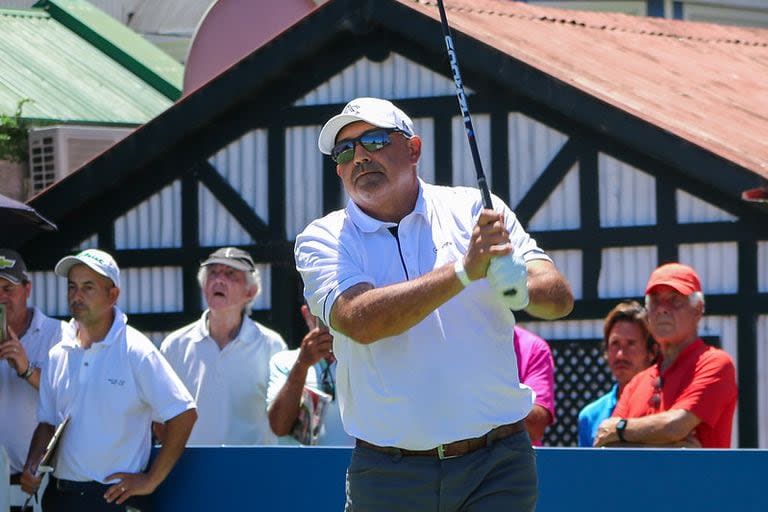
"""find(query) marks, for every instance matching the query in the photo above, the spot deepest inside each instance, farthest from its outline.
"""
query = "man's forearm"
(177, 431)
(284, 409)
(537, 421)
(40, 439)
(549, 292)
(368, 314)
(34, 379)
(664, 428)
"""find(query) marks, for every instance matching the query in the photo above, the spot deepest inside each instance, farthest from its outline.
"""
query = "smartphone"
(3, 324)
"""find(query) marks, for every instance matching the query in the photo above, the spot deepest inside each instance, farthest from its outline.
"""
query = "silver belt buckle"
(441, 453)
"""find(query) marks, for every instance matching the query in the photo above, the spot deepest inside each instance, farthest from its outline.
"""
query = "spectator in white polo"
(111, 382)
(30, 335)
(223, 358)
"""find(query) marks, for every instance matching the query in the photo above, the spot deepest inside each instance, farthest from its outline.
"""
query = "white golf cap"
(99, 261)
(378, 112)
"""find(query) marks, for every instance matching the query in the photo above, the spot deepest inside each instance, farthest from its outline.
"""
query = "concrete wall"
(12, 180)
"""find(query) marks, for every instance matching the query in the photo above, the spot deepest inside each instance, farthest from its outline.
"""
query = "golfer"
(427, 378)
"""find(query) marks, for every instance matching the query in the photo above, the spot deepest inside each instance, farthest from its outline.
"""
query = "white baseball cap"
(378, 112)
(99, 261)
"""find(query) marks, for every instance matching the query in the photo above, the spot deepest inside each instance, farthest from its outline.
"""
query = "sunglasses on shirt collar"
(372, 140)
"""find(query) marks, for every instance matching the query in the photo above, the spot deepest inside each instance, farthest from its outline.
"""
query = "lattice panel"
(581, 376)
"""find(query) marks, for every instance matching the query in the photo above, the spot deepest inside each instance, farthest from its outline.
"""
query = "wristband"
(461, 273)
(28, 372)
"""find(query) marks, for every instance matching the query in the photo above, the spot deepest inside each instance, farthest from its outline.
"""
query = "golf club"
(505, 270)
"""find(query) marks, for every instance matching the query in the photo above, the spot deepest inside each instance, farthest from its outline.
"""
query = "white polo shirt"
(280, 366)
(453, 375)
(18, 399)
(111, 392)
(229, 385)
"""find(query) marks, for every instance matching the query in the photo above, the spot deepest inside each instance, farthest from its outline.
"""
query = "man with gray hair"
(689, 396)
(223, 358)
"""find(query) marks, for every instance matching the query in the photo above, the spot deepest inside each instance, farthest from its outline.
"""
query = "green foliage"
(13, 135)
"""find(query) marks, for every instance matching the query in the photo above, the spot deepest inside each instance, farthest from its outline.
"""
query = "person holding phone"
(29, 335)
(312, 365)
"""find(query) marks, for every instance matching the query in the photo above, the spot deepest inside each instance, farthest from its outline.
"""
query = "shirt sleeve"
(585, 430)
(161, 388)
(540, 375)
(326, 266)
(712, 388)
(46, 407)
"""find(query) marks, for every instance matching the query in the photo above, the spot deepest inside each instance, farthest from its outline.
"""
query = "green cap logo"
(6, 263)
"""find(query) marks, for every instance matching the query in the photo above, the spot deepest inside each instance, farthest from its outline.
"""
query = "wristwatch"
(621, 426)
(28, 372)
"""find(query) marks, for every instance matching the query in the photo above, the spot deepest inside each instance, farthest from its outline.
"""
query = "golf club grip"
(482, 184)
(464, 108)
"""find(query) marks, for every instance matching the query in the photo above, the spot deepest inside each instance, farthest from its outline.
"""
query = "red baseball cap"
(675, 275)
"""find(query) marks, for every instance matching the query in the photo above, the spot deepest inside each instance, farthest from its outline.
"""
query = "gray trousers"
(499, 478)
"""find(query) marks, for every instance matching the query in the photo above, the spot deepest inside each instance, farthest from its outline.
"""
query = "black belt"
(16, 479)
(73, 487)
(454, 449)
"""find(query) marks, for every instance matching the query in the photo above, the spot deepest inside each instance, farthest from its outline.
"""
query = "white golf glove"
(509, 277)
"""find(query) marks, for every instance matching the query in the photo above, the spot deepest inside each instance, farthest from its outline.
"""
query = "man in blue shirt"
(629, 349)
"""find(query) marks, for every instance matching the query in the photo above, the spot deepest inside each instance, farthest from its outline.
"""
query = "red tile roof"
(705, 83)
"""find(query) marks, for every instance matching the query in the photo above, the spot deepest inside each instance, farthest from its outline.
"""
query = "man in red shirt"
(688, 398)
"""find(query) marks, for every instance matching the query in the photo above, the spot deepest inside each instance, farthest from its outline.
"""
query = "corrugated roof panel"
(303, 177)
(703, 82)
(151, 289)
(146, 60)
(413, 81)
(67, 79)
(615, 280)
(709, 260)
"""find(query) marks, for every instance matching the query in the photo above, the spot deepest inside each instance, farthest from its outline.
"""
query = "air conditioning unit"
(55, 151)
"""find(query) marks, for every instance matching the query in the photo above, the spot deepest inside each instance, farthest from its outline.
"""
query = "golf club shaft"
(506, 264)
(464, 107)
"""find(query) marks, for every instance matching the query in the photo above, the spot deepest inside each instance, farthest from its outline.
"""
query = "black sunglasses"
(372, 140)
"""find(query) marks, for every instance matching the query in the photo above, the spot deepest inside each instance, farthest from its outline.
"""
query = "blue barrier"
(288, 478)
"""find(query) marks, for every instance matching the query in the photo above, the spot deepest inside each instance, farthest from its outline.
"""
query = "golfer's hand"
(508, 276)
(131, 484)
(489, 238)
